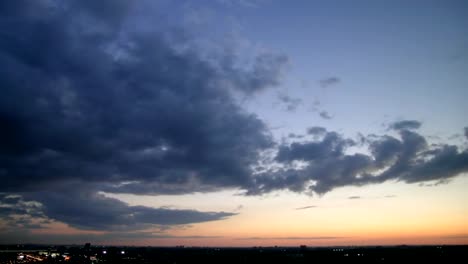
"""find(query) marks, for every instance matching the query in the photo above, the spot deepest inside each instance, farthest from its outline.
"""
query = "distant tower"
(87, 251)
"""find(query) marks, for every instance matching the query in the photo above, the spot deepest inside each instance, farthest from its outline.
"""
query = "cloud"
(327, 82)
(316, 131)
(290, 103)
(16, 212)
(91, 103)
(331, 145)
(306, 207)
(88, 210)
(141, 133)
(325, 115)
(293, 135)
(466, 132)
(94, 211)
(405, 124)
(265, 71)
(390, 196)
(452, 137)
(354, 197)
(328, 166)
(16, 205)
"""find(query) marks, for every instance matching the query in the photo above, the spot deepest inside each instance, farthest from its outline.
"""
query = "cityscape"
(180, 254)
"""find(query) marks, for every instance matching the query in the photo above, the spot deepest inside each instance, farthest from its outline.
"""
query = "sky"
(233, 122)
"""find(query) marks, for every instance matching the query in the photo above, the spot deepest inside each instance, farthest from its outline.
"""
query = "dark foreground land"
(115, 255)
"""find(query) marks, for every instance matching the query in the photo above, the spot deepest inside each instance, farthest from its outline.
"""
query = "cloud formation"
(16, 212)
(408, 158)
(90, 104)
(325, 115)
(327, 82)
(94, 211)
(316, 131)
(290, 102)
(330, 145)
(405, 125)
(89, 210)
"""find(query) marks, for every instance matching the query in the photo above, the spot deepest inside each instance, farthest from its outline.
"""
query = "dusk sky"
(234, 122)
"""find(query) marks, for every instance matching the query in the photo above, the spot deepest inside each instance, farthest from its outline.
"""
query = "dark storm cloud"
(325, 115)
(405, 124)
(327, 82)
(86, 99)
(152, 115)
(408, 158)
